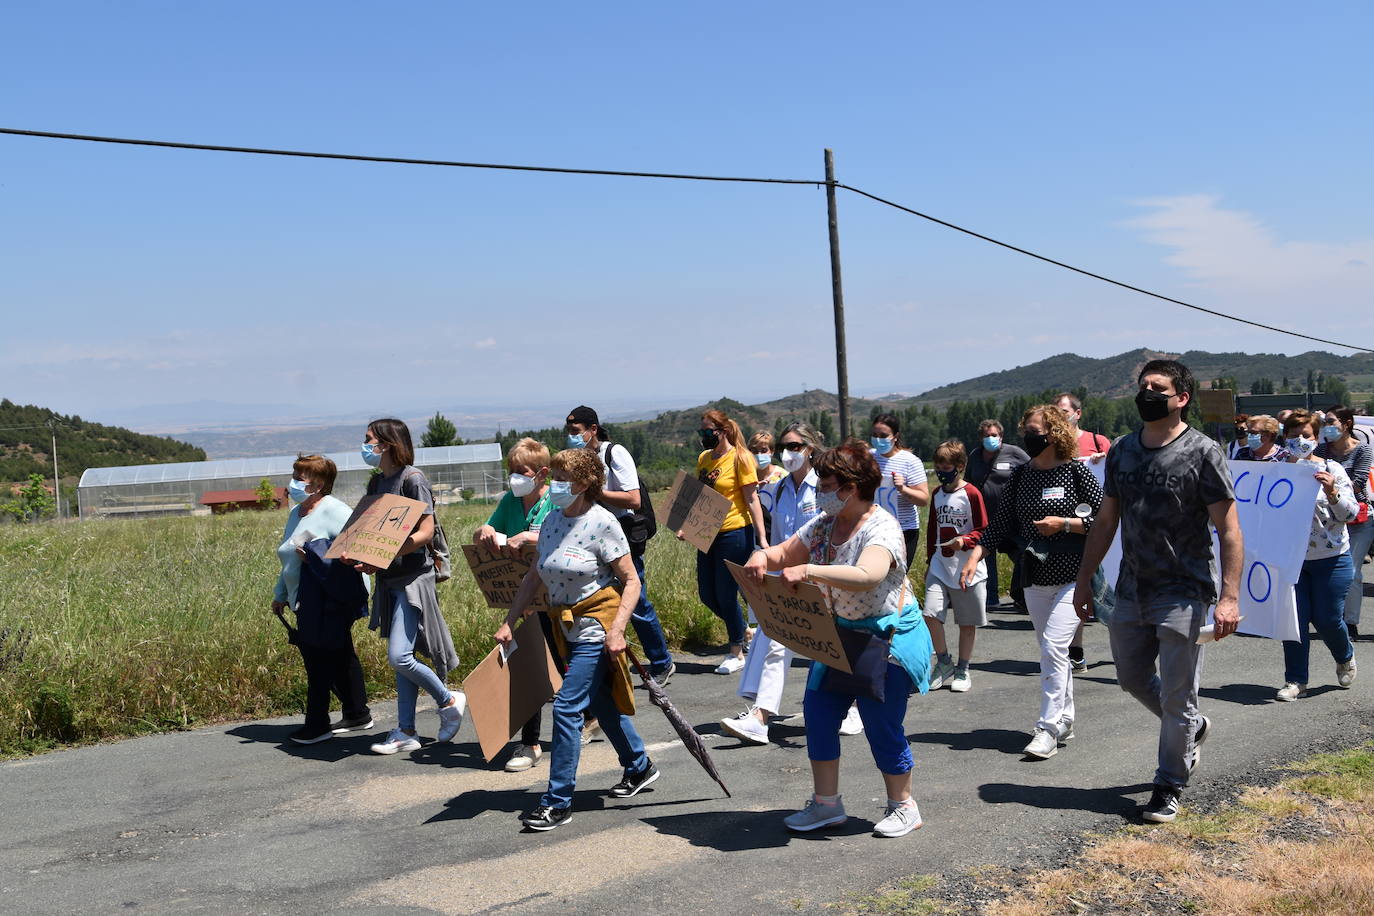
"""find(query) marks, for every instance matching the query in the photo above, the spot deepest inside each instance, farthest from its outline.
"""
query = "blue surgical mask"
(830, 503)
(577, 441)
(1302, 446)
(764, 459)
(561, 494)
(371, 456)
(881, 446)
(1253, 441)
(992, 443)
(296, 490)
(1331, 433)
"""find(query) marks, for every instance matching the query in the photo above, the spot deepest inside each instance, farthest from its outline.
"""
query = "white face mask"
(793, 461)
(830, 503)
(1301, 446)
(520, 485)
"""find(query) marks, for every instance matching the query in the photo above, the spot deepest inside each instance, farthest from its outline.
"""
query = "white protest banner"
(1275, 501)
(1111, 563)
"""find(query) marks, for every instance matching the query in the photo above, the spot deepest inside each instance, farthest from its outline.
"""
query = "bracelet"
(1066, 525)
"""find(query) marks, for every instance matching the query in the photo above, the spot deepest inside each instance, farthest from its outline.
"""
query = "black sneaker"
(350, 725)
(633, 783)
(312, 734)
(1353, 630)
(546, 818)
(661, 678)
(1163, 806)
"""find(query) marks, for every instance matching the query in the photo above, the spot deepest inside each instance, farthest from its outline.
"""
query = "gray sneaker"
(1345, 673)
(1042, 745)
(941, 674)
(898, 820)
(816, 815)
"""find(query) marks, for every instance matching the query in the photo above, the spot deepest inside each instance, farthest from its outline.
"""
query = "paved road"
(235, 820)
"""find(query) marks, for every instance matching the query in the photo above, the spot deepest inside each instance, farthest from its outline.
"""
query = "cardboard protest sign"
(1218, 405)
(499, 576)
(506, 688)
(695, 509)
(800, 619)
(377, 529)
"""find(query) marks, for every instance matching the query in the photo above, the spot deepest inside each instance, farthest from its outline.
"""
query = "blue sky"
(1216, 152)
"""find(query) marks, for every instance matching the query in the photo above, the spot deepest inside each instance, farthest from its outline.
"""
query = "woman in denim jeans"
(728, 467)
(1327, 571)
(584, 562)
(1339, 444)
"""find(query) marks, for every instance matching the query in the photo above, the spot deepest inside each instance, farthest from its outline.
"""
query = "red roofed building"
(221, 501)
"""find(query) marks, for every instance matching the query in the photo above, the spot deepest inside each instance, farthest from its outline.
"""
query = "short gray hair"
(808, 434)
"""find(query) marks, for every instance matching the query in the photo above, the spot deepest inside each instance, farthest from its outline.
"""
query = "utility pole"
(837, 295)
(56, 480)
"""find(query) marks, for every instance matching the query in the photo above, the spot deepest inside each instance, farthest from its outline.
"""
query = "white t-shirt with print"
(909, 466)
(575, 554)
(879, 529)
(621, 473)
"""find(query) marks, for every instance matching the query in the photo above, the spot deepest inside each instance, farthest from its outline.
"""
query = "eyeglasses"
(792, 446)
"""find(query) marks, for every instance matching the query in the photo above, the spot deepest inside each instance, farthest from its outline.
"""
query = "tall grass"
(118, 628)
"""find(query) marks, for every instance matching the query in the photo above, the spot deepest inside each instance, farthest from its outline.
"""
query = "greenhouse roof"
(226, 468)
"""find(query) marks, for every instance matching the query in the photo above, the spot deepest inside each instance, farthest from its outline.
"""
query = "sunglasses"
(792, 446)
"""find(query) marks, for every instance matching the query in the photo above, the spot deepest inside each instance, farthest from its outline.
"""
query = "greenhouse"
(176, 489)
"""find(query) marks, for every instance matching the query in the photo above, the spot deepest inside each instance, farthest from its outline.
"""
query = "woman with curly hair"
(1047, 509)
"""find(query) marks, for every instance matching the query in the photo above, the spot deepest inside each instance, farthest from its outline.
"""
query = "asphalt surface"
(235, 819)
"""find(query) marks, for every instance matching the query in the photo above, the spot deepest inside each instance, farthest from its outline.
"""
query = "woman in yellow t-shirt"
(733, 471)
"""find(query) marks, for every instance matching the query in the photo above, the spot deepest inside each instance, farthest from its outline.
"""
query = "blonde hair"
(582, 466)
(1266, 424)
(761, 440)
(951, 451)
(528, 453)
(1057, 427)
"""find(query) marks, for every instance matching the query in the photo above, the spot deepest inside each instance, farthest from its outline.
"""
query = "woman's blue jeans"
(586, 688)
(716, 587)
(1320, 595)
(411, 673)
(1361, 536)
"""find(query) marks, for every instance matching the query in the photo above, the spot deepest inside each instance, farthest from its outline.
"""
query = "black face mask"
(709, 437)
(947, 476)
(1035, 443)
(1153, 405)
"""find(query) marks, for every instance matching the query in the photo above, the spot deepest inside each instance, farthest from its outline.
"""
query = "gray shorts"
(969, 604)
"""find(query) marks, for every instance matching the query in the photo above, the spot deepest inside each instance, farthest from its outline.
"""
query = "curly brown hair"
(849, 462)
(582, 466)
(1057, 427)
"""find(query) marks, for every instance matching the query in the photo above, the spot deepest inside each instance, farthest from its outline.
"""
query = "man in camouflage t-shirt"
(1165, 484)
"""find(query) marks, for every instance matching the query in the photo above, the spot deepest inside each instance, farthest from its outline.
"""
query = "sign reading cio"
(1274, 502)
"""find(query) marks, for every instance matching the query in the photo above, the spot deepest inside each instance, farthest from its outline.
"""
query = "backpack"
(438, 544)
(638, 524)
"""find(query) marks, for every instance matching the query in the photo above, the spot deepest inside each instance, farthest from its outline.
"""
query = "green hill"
(26, 445)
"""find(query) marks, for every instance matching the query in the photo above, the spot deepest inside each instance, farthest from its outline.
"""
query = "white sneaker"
(816, 815)
(961, 682)
(396, 741)
(941, 673)
(746, 727)
(451, 717)
(589, 731)
(852, 724)
(1345, 674)
(1065, 730)
(899, 820)
(730, 665)
(1042, 745)
(1290, 692)
(524, 758)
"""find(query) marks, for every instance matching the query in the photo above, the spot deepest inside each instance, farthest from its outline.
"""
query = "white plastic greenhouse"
(176, 489)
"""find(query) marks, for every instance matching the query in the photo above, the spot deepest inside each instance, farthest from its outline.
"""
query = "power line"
(1096, 276)
(400, 160)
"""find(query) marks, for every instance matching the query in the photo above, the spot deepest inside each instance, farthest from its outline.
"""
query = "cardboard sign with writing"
(504, 692)
(695, 509)
(1218, 405)
(499, 576)
(377, 529)
(800, 619)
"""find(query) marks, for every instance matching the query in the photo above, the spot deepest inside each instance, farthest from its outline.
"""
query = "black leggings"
(335, 671)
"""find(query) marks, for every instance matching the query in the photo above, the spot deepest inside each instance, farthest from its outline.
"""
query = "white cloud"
(486, 343)
(1232, 252)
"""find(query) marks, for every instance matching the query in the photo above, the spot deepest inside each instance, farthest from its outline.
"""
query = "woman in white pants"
(792, 503)
(1047, 509)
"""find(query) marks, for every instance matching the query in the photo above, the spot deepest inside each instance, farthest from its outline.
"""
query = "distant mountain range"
(24, 452)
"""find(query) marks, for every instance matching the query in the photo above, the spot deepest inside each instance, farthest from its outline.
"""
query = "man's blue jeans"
(647, 627)
(1320, 592)
(586, 687)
